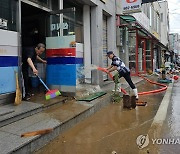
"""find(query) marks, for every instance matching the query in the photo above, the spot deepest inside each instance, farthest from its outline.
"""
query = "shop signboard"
(142, 19)
(130, 6)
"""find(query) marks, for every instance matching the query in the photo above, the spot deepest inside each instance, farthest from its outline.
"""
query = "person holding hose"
(28, 59)
(118, 64)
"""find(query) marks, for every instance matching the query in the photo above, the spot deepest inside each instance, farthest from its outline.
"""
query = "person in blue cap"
(118, 64)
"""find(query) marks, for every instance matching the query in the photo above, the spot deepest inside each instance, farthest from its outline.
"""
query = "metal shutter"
(105, 46)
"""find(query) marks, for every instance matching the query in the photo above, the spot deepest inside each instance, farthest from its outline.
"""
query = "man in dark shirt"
(118, 64)
(28, 59)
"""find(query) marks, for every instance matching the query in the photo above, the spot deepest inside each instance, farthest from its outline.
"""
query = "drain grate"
(92, 96)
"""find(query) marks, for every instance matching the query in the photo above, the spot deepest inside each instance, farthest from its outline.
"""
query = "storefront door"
(142, 56)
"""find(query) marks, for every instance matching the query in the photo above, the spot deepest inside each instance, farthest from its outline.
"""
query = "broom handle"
(43, 83)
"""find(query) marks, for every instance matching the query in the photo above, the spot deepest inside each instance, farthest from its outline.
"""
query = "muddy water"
(171, 128)
(110, 129)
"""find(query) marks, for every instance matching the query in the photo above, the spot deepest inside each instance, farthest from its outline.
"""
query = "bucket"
(126, 101)
(163, 74)
(34, 81)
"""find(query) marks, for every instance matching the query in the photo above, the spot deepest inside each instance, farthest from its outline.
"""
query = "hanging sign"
(131, 6)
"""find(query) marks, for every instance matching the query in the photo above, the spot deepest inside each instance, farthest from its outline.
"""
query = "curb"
(154, 131)
(162, 111)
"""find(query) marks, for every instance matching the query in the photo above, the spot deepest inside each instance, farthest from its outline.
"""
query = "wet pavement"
(39, 97)
(171, 127)
(111, 129)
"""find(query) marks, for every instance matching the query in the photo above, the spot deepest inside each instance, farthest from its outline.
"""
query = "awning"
(132, 23)
(128, 18)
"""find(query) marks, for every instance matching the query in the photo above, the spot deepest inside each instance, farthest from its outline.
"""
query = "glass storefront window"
(78, 24)
(8, 14)
(63, 24)
(55, 5)
(67, 23)
(132, 51)
(148, 55)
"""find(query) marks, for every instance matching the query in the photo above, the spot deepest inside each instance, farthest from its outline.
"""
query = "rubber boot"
(117, 88)
(136, 93)
(126, 101)
(133, 102)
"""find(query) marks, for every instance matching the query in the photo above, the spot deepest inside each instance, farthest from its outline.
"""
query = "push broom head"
(52, 94)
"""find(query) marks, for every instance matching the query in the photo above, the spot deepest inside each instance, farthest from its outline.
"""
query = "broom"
(18, 97)
(51, 93)
(38, 132)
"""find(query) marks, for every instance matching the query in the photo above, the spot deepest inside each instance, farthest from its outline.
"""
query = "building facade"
(141, 42)
(77, 34)
(174, 55)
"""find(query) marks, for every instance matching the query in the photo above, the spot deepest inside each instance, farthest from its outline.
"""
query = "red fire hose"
(141, 93)
(153, 91)
(106, 71)
(111, 76)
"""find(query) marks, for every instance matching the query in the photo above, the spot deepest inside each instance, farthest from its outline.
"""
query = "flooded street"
(171, 128)
(110, 129)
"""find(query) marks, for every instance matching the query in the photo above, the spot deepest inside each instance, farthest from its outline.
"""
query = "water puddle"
(110, 129)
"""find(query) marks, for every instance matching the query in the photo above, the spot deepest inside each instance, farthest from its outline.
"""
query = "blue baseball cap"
(109, 53)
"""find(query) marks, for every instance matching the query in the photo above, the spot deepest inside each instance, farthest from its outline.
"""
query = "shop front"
(25, 23)
(74, 35)
(140, 44)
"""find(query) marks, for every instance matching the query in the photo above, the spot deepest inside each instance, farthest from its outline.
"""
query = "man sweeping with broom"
(28, 60)
(117, 64)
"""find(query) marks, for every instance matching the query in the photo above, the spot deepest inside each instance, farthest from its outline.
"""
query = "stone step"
(7, 98)
(10, 135)
(11, 113)
(40, 99)
(59, 117)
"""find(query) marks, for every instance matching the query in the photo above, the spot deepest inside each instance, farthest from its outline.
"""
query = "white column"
(87, 43)
(61, 16)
